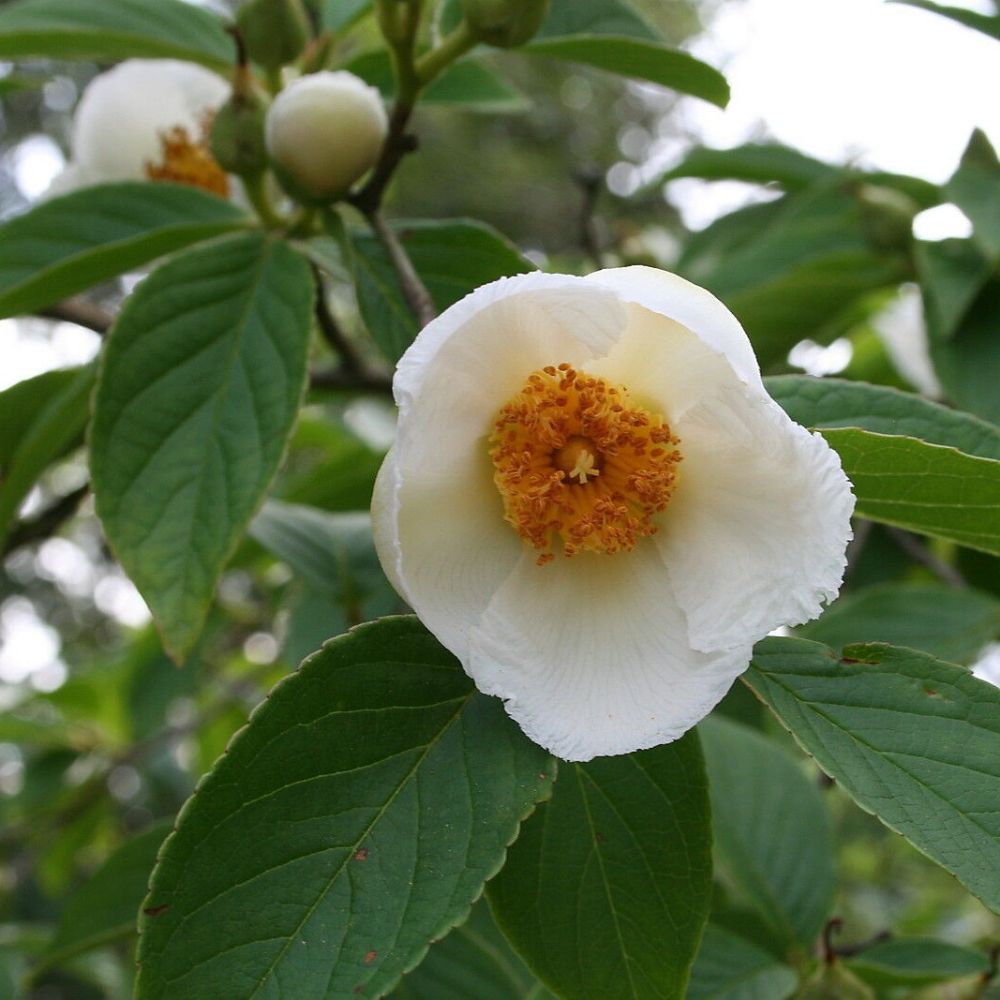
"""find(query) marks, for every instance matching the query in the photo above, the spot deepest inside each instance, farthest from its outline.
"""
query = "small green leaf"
(595, 17)
(466, 83)
(975, 189)
(950, 623)
(952, 274)
(915, 962)
(51, 424)
(71, 243)
(332, 552)
(731, 968)
(828, 403)
(912, 739)
(783, 869)
(654, 62)
(106, 907)
(474, 962)
(923, 487)
(338, 15)
(761, 163)
(23, 403)
(354, 820)
(606, 892)
(453, 258)
(988, 24)
(197, 395)
(114, 29)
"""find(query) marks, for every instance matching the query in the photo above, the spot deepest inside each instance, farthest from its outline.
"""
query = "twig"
(414, 291)
(81, 312)
(339, 380)
(916, 549)
(850, 950)
(349, 359)
(833, 926)
(589, 182)
(45, 523)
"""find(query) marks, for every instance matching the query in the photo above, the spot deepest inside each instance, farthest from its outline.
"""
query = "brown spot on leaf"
(361, 854)
(155, 911)
(849, 661)
(370, 957)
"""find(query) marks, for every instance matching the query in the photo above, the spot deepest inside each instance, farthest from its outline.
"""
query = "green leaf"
(51, 424)
(197, 395)
(338, 15)
(761, 163)
(915, 962)
(731, 968)
(453, 258)
(465, 83)
(352, 821)
(988, 24)
(23, 403)
(474, 962)
(827, 403)
(639, 59)
(71, 243)
(783, 870)
(975, 189)
(606, 892)
(114, 29)
(923, 487)
(595, 17)
(333, 552)
(947, 622)
(911, 739)
(952, 274)
(106, 907)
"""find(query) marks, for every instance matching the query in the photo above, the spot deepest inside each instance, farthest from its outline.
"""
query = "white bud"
(326, 130)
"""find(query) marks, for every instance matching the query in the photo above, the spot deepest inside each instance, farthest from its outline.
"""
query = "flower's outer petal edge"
(690, 305)
(756, 534)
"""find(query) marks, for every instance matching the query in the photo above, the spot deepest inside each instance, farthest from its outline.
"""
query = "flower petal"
(591, 655)
(756, 533)
(691, 306)
(443, 542)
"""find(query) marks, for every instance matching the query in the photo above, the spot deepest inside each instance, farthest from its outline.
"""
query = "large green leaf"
(639, 59)
(988, 24)
(114, 29)
(606, 892)
(71, 243)
(51, 423)
(975, 188)
(452, 258)
(352, 822)
(916, 961)
(729, 967)
(927, 488)
(827, 403)
(106, 907)
(474, 962)
(953, 624)
(912, 739)
(783, 870)
(198, 391)
(466, 83)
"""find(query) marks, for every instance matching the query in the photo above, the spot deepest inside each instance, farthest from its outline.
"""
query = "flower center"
(185, 161)
(576, 460)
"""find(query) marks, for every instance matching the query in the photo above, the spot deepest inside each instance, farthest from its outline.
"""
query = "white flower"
(128, 117)
(697, 515)
(326, 130)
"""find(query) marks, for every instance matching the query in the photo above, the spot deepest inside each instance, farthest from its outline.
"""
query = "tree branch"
(340, 380)
(920, 553)
(350, 360)
(45, 523)
(81, 312)
(414, 290)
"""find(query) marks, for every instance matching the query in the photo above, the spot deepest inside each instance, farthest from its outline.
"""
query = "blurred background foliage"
(102, 738)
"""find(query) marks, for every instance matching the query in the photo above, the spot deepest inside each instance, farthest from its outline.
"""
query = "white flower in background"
(595, 505)
(325, 131)
(146, 119)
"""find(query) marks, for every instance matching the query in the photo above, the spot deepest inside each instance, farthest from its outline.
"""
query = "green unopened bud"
(274, 31)
(324, 132)
(504, 23)
(834, 982)
(237, 137)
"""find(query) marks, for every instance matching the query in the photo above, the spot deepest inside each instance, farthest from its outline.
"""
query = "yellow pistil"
(185, 161)
(577, 461)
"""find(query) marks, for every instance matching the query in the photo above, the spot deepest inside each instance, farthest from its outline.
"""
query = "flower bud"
(274, 31)
(237, 137)
(505, 23)
(324, 132)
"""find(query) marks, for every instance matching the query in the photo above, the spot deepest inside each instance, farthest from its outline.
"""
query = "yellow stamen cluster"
(576, 460)
(185, 161)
